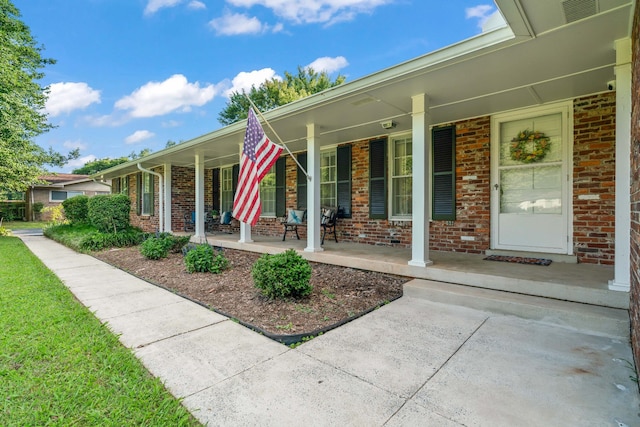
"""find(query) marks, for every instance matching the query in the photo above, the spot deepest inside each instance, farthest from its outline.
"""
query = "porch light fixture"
(389, 124)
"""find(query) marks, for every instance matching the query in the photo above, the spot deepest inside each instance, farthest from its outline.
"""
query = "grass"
(59, 365)
(18, 225)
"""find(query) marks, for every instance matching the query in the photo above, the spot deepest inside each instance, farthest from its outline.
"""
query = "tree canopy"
(275, 92)
(98, 165)
(22, 102)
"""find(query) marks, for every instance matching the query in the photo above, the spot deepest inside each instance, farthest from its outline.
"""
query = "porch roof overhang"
(541, 56)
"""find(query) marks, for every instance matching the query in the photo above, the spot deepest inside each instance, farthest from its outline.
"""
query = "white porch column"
(313, 189)
(421, 146)
(199, 226)
(622, 270)
(167, 198)
(245, 229)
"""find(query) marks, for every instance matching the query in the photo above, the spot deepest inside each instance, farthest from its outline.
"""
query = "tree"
(143, 152)
(22, 101)
(274, 92)
(98, 165)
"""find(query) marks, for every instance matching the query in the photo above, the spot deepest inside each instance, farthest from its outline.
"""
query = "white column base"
(312, 249)
(617, 286)
(245, 233)
(418, 263)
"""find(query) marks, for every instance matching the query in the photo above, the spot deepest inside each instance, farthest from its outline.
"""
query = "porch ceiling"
(539, 58)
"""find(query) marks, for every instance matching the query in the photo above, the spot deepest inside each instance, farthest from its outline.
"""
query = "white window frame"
(268, 193)
(147, 184)
(66, 195)
(324, 183)
(407, 138)
(226, 178)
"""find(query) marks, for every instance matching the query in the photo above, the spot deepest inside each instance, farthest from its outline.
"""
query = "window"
(268, 193)
(124, 185)
(61, 196)
(145, 193)
(444, 174)
(226, 191)
(328, 178)
(401, 177)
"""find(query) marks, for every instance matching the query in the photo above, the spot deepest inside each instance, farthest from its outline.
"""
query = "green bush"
(76, 210)
(284, 275)
(97, 241)
(109, 213)
(202, 259)
(5, 231)
(177, 242)
(156, 247)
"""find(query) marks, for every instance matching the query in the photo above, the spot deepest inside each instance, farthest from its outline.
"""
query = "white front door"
(530, 181)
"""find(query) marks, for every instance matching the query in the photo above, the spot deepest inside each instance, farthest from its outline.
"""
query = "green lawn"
(17, 225)
(59, 365)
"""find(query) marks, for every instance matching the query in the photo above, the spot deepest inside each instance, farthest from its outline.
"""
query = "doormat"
(519, 260)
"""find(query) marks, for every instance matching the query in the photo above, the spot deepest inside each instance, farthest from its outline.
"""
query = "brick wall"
(594, 178)
(635, 193)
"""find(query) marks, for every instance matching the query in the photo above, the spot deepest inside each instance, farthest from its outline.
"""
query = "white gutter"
(160, 198)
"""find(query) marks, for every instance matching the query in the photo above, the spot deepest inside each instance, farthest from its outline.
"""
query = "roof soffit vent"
(575, 10)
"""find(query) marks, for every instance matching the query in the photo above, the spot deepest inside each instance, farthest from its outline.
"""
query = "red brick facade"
(594, 172)
(635, 192)
(593, 191)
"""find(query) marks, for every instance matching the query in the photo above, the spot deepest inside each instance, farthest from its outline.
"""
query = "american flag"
(258, 155)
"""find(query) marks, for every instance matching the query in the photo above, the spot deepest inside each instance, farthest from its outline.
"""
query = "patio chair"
(226, 222)
(291, 222)
(190, 221)
(328, 223)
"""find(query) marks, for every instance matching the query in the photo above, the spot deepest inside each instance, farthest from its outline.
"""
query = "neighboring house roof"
(549, 51)
(61, 180)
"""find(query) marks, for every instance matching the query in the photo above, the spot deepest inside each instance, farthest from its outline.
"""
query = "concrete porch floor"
(580, 283)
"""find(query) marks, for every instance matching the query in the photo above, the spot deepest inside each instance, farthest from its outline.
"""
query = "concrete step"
(592, 319)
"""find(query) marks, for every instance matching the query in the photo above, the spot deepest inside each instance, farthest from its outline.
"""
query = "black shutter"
(139, 194)
(235, 171)
(281, 196)
(343, 163)
(115, 188)
(302, 182)
(216, 189)
(444, 173)
(378, 179)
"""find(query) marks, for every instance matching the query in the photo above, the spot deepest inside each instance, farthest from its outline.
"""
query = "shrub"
(97, 241)
(5, 231)
(75, 209)
(109, 212)
(202, 259)
(56, 214)
(283, 275)
(156, 247)
(177, 242)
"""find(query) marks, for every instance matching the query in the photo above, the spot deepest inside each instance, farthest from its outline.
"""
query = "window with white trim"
(226, 189)
(61, 196)
(328, 178)
(401, 177)
(147, 194)
(268, 193)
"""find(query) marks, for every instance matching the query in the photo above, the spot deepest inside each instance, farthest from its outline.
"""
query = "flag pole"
(277, 136)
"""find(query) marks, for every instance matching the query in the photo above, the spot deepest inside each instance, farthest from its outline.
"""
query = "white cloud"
(171, 124)
(138, 136)
(195, 5)
(173, 94)
(314, 11)
(329, 64)
(74, 144)
(245, 80)
(233, 24)
(68, 96)
(481, 12)
(154, 5)
(80, 161)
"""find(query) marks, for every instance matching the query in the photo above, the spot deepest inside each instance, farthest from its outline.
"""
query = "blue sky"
(134, 74)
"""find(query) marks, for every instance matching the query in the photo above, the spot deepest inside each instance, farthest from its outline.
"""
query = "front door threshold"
(567, 259)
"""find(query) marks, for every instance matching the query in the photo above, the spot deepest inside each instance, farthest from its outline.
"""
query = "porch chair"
(328, 223)
(226, 222)
(292, 220)
(190, 221)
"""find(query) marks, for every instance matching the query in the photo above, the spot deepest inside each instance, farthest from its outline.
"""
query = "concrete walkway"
(412, 362)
